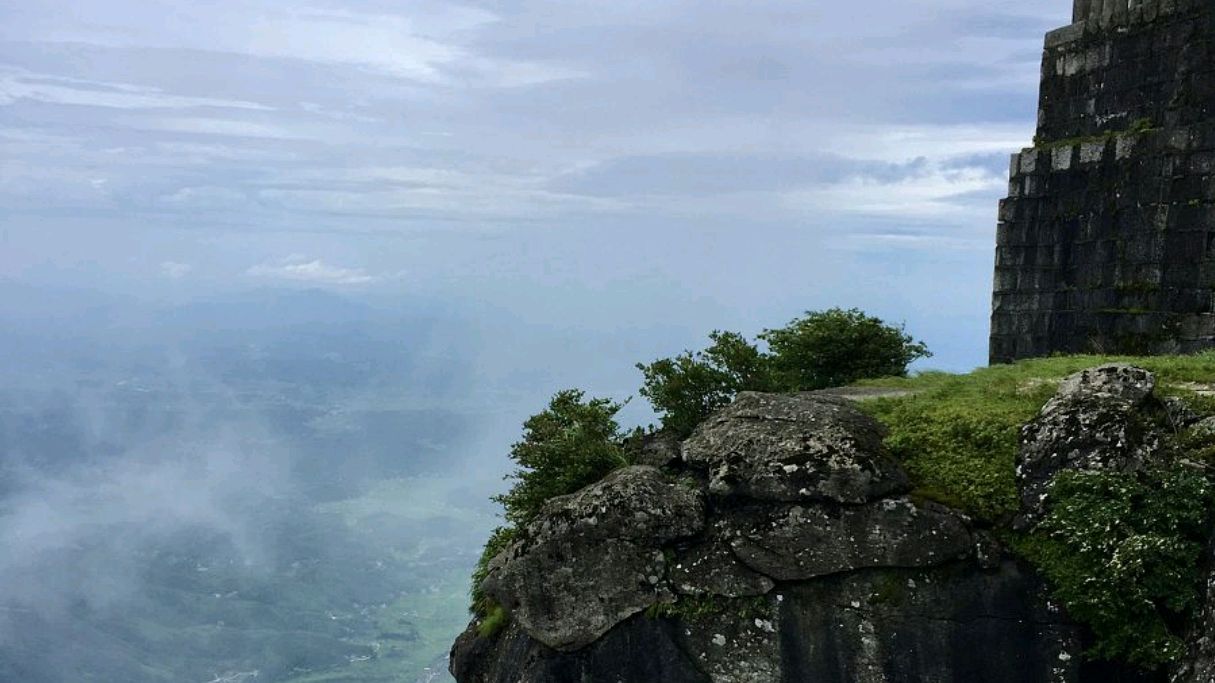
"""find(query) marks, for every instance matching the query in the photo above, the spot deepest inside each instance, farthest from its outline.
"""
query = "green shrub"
(573, 443)
(687, 388)
(819, 350)
(836, 347)
(1122, 554)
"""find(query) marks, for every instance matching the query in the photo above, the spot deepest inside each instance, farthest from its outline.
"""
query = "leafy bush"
(837, 347)
(573, 443)
(1122, 554)
(688, 387)
(819, 350)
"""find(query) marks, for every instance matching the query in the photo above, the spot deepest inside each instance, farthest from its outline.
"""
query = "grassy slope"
(957, 434)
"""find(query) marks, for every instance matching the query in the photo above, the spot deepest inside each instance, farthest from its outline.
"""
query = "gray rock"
(1205, 427)
(657, 449)
(1114, 380)
(592, 559)
(947, 624)
(796, 542)
(1179, 413)
(1099, 420)
(793, 448)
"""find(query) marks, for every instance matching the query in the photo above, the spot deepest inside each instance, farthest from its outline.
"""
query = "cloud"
(174, 270)
(17, 85)
(300, 269)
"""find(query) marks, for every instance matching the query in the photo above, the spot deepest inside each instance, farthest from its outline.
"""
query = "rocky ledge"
(780, 542)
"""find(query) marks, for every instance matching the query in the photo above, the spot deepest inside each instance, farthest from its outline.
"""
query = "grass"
(957, 435)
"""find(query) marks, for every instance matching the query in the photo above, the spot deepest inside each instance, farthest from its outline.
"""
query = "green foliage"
(690, 386)
(573, 443)
(837, 347)
(493, 622)
(1122, 554)
(819, 350)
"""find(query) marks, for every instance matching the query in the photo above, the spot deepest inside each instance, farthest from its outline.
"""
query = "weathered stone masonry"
(1106, 241)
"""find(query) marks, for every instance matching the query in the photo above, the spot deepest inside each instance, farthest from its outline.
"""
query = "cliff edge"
(783, 542)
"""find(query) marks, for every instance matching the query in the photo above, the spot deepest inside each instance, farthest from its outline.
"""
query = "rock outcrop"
(783, 545)
(1100, 419)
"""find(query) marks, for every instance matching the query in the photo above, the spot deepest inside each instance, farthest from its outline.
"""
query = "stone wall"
(1106, 241)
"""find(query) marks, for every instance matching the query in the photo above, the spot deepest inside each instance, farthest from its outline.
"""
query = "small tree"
(690, 386)
(837, 347)
(573, 443)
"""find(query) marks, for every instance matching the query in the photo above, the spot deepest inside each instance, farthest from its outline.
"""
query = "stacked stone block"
(1106, 241)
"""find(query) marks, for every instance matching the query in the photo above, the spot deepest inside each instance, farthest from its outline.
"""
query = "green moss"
(1137, 127)
(1137, 288)
(496, 619)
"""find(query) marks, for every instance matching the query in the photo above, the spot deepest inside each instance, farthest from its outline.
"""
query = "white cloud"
(18, 84)
(298, 268)
(175, 270)
(221, 127)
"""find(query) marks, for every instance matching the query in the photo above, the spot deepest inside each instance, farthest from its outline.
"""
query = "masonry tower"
(1106, 241)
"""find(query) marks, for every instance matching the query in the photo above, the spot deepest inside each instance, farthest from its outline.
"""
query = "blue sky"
(652, 169)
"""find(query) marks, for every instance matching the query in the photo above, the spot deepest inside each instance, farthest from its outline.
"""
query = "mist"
(269, 485)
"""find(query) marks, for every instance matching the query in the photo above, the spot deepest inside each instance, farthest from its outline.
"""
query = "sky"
(650, 169)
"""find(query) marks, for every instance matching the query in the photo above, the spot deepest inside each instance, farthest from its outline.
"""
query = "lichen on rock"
(792, 448)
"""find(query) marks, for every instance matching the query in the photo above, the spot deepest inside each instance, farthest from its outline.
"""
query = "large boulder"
(1100, 419)
(794, 448)
(594, 558)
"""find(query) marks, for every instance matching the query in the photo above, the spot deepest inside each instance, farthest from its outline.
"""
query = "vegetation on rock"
(1122, 553)
(574, 442)
(818, 350)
